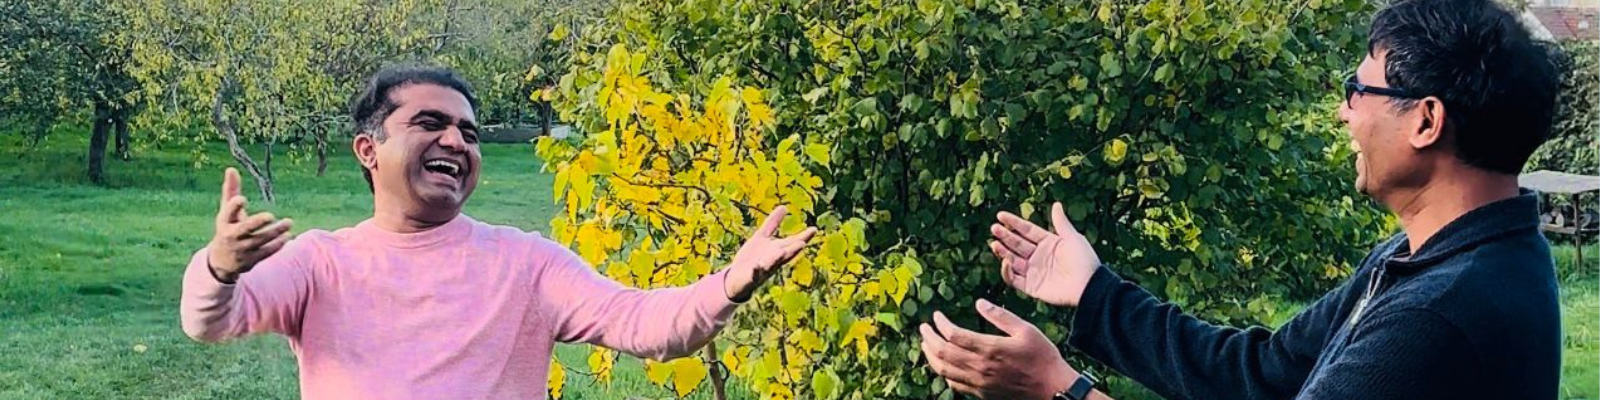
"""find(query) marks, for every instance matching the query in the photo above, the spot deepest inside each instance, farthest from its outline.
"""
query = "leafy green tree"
(491, 42)
(275, 72)
(1573, 146)
(1195, 141)
(58, 56)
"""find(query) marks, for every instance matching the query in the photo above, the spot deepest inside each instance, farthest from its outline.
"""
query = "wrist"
(226, 278)
(1076, 386)
(732, 289)
(1059, 383)
(1080, 287)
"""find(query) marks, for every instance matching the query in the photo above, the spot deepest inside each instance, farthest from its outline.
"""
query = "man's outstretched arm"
(220, 301)
(1155, 343)
(661, 323)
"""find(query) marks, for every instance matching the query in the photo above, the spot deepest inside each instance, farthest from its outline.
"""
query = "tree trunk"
(220, 121)
(719, 383)
(122, 134)
(40, 128)
(266, 161)
(544, 118)
(97, 143)
(322, 151)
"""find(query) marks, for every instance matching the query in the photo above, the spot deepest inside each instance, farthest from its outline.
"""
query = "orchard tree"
(58, 57)
(276, 72)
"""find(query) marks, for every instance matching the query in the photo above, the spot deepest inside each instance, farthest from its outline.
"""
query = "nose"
(453, 139)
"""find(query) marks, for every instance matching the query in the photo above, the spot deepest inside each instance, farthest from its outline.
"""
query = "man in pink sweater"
(423, 302)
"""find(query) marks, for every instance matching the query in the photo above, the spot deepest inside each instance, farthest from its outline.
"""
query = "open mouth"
(447, 167)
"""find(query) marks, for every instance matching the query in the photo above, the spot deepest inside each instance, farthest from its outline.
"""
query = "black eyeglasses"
(1351, 87)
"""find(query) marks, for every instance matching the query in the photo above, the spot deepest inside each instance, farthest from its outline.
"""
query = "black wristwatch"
(1079, 390)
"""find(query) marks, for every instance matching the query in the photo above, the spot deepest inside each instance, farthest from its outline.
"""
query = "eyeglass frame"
(1352, 86)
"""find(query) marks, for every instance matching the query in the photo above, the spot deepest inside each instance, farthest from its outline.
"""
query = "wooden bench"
(1570, 185)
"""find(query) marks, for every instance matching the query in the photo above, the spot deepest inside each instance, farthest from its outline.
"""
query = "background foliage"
(1194, 142)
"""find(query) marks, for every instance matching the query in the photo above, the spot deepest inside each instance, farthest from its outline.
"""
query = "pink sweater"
(463, 311)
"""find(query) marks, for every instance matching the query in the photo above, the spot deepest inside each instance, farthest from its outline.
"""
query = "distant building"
(1563, 19)
(1565, 3)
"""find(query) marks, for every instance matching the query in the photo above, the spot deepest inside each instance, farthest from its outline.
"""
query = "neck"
(1424, 211)
(397, 219)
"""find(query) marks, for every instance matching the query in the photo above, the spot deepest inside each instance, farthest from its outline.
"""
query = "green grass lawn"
(89, 275)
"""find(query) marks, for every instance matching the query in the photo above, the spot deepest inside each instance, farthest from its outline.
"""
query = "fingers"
(267, 249)
(267, 233)
(230, 184)
(793, 244)
(232, 210)
(249, 226)
(1023, 247)
(1012, 266)
(1022, 227)
(1059, 222)
(945, 359)
(804, 236)
(976, 343)
(769, 227)
(1009, 323)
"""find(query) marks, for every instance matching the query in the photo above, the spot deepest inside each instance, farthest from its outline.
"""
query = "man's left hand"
(762, 254)
(1022, 365)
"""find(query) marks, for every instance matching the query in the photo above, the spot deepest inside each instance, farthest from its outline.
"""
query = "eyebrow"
(464, 124)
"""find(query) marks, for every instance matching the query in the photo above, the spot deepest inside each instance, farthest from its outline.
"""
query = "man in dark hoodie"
(1448, 104)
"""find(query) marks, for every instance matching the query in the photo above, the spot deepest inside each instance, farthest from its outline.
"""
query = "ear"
(1430, 128)
(366, 149)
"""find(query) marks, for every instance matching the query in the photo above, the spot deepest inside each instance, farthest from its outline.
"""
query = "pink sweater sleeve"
(660, 324)
(269, 298)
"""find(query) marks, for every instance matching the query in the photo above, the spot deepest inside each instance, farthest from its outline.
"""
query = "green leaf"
(889, 318)
(815, 94)
(825, 385)
(818, 152)
(1110, 67)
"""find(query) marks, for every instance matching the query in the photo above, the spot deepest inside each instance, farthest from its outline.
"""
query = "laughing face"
(1385, 161)
(427, 165)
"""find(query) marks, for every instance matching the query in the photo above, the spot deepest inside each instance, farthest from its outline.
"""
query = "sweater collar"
(456, 229)
(1487, 222)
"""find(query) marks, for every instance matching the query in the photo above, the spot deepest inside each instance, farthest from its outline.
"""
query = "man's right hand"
(241, 241)
(1052, 266)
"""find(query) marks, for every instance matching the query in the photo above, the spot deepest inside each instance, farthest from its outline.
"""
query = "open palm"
(1052, 266)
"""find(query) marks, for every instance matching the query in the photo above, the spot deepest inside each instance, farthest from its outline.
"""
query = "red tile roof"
(1569, 22)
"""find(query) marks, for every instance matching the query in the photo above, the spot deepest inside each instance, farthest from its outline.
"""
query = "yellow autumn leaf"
(687, 373)
(860, 331)
(557, 380)
(657, 372)
(802, 271)
(733, 357)
(601, 362)
(1116, 150)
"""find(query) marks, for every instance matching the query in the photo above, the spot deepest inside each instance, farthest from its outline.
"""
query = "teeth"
(451, 167)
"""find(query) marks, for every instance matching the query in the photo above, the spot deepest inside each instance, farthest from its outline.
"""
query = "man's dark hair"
(369, 108)
(1497, 84)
